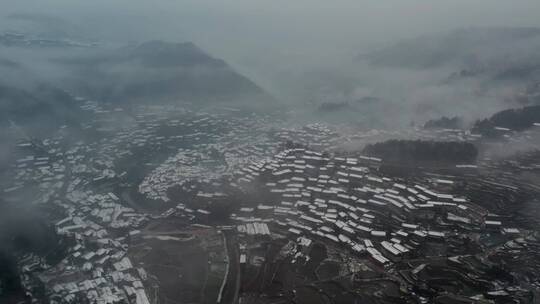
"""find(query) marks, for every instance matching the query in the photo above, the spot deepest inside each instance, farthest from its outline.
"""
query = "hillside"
(444, 123)
(513, 119)
(33, 103)
(473, 47)
(423, 151)
(159, 71)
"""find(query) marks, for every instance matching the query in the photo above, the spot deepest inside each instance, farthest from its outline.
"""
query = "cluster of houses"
(344, 201)
(94, 223)
(96, 269)
(77, 180)
(304, 193)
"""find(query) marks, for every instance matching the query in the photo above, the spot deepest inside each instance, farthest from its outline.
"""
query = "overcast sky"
(235, 27)
(259, 37)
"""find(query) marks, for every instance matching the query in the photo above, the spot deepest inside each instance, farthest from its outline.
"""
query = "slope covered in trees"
(423, 151)
(514, 119)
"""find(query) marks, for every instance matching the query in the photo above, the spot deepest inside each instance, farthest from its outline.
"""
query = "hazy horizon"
(257, 152)
(267, 40)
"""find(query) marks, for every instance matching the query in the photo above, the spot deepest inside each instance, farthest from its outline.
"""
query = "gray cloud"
(291, 47)
(255, 35)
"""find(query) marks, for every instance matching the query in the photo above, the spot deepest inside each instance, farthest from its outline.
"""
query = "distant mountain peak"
(465, 45)
(155, 71)
(158, 53)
